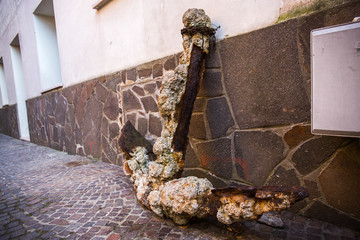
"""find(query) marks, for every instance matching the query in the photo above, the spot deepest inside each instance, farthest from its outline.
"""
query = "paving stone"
(257, 153)
(219, 117)
(51, 180)
(314, 152)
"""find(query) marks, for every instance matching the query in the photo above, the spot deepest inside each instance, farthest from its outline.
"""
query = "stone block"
(144, 73)
(297, 134)
(142, 126)
(197, 126)
(92, 144)
(211, 85)
(92, 116)
(131, 117)
(219, 117)
(170, 64)
(131, 74)
(130, 101)
(340, 181)
(191, 160)
(138, 90)
(105, 127)
(150, 87)
(258, 152)
(212, 59)
(101, 92)
(283, 177)
(157, 70)
(263, 78)
(312, 188)
(314, 152)
(111, 106)
(108, 150)
(216, 156)
(216, 182)
(320, 211)
(155, 125)
(149, 104)
(114, 131)
(199, 104)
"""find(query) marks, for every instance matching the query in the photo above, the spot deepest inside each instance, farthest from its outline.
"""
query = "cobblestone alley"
(47, 194)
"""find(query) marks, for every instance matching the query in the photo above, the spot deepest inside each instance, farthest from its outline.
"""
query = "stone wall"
(9, 121)
(250, 124)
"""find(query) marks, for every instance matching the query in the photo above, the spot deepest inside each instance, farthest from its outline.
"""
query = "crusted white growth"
(236, 208)
(184, 198)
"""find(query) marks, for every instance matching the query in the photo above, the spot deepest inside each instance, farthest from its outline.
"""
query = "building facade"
(72, 75)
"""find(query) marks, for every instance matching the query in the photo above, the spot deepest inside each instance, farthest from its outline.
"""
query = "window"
(47, 46)
(19, 88)
(4, 95)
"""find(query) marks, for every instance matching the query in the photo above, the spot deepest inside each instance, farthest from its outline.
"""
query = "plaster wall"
(126, 33)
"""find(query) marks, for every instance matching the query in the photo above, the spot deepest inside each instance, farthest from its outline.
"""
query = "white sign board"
(335, 85)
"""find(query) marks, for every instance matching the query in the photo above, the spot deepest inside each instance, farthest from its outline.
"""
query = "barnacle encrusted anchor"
(155, 170)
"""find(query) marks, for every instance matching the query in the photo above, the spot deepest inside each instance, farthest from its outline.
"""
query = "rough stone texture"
(191, 160)
(216, 182)
(199, 105)
(169, 64)
(219, 117)
(149, 104)
(342, 177)
(46, 130)
(197, 126)
(211, 85)
(263, 78)
(142, 126)
(9, 121)
(258, 153)
(312, 188)
(282, 177)
(216, 156)
(131, 74)
(323, 212)
(314, 152)
(111, 107)
(157, 70)
(155, 125)
(130, 102)
(138, 90)
(144, 72)
(297, 134)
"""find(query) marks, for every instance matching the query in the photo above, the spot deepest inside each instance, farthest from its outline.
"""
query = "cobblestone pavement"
(47, 194)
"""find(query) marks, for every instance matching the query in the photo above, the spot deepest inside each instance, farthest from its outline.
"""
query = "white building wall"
(122, 34)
